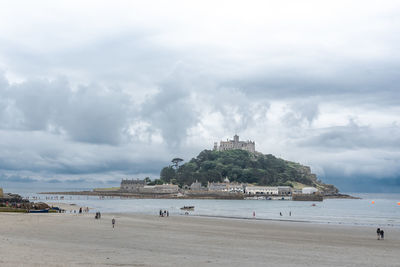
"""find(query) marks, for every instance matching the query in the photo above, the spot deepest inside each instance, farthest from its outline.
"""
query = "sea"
(380, 210)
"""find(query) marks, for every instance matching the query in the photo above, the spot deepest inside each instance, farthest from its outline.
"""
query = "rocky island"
(232, 170)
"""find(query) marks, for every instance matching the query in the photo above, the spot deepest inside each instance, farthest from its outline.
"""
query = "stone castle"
(235, 144)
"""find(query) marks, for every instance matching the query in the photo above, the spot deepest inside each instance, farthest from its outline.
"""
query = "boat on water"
(187, 208)
(39, 211)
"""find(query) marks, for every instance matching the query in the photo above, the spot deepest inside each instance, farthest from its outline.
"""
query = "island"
(231, 170)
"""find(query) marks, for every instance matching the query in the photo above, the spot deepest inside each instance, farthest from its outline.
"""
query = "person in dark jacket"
(378, 233)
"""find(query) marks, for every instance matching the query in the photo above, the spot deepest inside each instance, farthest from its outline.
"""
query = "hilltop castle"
(235, 144)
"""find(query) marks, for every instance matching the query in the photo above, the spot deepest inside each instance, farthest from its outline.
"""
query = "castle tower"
(236, 138)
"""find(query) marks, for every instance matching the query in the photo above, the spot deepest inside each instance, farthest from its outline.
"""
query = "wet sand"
(144, 240)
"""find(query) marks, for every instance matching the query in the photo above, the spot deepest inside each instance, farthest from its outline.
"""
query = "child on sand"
(113, 222)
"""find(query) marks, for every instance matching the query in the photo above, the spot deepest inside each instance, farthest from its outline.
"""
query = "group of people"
(164, 213)
(380, 233)
(81, 210)
(98, 215)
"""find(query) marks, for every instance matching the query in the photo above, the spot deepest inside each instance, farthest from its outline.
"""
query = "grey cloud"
(16, 179)
(76, 181)
(372, 83)
(89, 114)
(44, 154)
(39, 102)
(301, 111)
(122, 57)
(96, 115)
(363, 183)
(54, 181)
(171, 110)
(239, 111)
(353, 136)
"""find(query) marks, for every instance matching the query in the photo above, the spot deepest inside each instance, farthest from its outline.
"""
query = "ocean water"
(372, 209)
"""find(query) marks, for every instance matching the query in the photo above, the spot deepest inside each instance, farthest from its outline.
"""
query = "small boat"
(187, 208)
(39, 211)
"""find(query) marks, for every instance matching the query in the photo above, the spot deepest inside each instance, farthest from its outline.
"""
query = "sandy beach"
(144, 240)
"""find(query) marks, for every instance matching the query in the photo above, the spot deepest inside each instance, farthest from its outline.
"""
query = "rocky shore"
(15, 203)
(338, 195)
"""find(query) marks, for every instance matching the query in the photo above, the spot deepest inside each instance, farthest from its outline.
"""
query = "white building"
(236, 188)
(262, 190)
(309, 190)
(226, 187)
(235, 144)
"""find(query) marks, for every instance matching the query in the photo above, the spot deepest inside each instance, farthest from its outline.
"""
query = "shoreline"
(68, 207)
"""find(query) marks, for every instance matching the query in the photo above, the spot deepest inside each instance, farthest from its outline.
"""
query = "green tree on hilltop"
(239, 166)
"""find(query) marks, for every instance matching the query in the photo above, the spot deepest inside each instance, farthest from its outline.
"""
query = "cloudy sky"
(94, 91)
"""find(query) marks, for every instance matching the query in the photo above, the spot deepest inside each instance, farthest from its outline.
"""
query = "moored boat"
(39, 211)
(187, 208)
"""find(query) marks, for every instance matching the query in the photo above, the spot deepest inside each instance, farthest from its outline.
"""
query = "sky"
(95, 91)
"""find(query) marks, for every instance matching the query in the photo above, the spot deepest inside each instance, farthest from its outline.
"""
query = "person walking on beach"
(378, 233)
(113, 222)
(382, 234)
